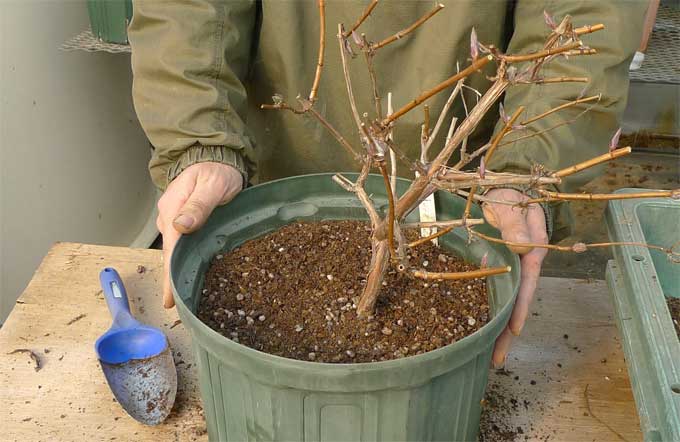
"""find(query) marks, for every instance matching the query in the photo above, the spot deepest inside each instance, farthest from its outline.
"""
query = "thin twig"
(374, 83)
(424, 134)
(666, 250)
(541, 54)
(307, 106)
(366, 201)
(468, 203)
(481, 273)
(522, 244)
(322, 50)
(442, 116)
(588, 29)
(590, 412)
(560, 107)
(556, 80)
(474, 67)
(361, 19)
(593, 161)
(496, 181)
(453, 175)
(577, 52)
(357, 188)
(466, 158)
(425, 239)
(485, 198)
(282, 106)
(338, 136)
(426, 119)
(552, 196)
(443, 224)
(32, 354)
(502, 133)
(76, 319)
(553, 127)
(348, 81)
(576, 248)
(452, 127)
(390, 140)
(463, 148)
(408, 30)
(415, 166)
(343, 182)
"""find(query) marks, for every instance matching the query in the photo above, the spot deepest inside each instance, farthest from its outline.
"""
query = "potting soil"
(293, 293)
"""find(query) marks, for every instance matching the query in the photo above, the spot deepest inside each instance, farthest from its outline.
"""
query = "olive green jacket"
(202, 68)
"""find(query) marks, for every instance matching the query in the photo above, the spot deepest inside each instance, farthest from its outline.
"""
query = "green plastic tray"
(254, 396)
(109, 19)
(639, 280)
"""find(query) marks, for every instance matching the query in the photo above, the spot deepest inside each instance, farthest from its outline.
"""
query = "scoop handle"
(116, 297)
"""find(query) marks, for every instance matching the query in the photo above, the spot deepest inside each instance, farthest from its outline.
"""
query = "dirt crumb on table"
(501, 406)
(294, 292)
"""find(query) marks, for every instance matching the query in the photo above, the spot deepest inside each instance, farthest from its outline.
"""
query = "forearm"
(190, 60)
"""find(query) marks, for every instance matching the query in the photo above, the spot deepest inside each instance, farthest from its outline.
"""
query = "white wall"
(72, 155)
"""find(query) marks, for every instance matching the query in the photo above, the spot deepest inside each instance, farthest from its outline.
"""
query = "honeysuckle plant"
(379, 152)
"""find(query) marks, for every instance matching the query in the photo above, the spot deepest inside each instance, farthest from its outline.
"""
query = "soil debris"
(309, 316)
(176, 323)
(76, 319)
(141, 269)
(498, 407)
(32, 354)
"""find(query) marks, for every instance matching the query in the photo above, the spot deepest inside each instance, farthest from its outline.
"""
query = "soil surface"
(293, 293)
(674, 307)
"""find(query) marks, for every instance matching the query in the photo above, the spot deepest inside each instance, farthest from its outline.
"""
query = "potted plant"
(329, 390)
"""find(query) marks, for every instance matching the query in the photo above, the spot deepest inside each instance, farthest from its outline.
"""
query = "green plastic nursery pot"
(250, 395)
(639, 281)
(109, 19)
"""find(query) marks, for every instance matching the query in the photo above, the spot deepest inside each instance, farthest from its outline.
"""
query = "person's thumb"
(197, 208)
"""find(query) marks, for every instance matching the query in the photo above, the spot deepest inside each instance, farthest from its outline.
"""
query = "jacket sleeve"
(189, 60)
(571, 135)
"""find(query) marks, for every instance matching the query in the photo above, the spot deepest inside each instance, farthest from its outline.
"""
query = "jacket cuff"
(199, 153)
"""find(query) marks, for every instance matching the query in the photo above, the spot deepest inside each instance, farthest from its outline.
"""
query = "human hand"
(186, 204)
(522, 225)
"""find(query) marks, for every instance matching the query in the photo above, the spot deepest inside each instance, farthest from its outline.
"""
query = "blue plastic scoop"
(136, 358)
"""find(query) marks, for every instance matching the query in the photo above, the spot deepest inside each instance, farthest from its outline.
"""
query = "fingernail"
(184, 220)
(499, 365)
(516, 332)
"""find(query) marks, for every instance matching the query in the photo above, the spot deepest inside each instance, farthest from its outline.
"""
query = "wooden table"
(62, 312)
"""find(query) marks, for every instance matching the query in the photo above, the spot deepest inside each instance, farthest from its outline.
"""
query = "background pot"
(639, 281)
(250, 395)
